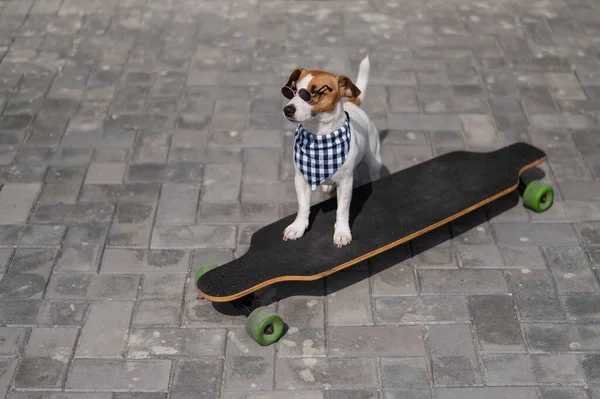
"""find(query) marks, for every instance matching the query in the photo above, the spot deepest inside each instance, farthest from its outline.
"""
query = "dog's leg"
(342, 235)
(297, 229)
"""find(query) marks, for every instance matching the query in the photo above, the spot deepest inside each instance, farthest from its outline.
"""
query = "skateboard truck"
(263, 324)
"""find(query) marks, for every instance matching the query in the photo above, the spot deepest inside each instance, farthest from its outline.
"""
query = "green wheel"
(538, 196)
(202, 270)
(264, 326)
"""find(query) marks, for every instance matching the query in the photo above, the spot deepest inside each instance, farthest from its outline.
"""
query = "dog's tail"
(363, 77)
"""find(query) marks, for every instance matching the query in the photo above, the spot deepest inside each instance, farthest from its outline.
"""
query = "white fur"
(364, 145)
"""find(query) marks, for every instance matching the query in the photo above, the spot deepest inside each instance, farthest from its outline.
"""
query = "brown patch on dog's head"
(294, 77)
(323, 100)
(326, 90)
(348, 89)
(326, 101)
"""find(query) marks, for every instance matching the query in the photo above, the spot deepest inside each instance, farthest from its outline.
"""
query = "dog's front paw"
(342, 236)
(294, 231)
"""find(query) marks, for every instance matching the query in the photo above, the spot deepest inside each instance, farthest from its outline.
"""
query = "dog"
(333, 136)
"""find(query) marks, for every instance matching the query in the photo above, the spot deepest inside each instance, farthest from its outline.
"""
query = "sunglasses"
(304, 94)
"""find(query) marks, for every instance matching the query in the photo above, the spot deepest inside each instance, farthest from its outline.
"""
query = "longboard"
(384, 213)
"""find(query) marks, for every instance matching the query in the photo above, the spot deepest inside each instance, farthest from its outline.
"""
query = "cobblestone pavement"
(140, 139)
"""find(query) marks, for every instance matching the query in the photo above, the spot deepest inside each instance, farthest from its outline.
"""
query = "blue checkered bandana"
(318, 157)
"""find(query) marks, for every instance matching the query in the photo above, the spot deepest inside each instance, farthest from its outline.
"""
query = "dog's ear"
(294, 76)
(346, 88)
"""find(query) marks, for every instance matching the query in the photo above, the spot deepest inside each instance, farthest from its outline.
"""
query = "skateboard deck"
(384, 213)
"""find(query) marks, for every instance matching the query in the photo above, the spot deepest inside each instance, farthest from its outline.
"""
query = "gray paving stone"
(535, 296)
(105, 173)
(42, 236)
(420, 309)
(330, 373)
(105, 330)
(306, 312)
(496, 325)
(480, 256)
(565, 393)
(178, 204)
(68, 286)
(452, 355)
(138, 395)
(28, 273)
(158, 312)
(197, 236)
(561, 337)
(40, 373)
(582, 307)
(63, 286)
(479, 131)
(268, 192)
(80, 258)
(590, 367)
(41, 313)
(57, 344)
(196, 377)
(101, 375)
(130, 235)
(404, 372)
(200, 313)
(222, 183)
(304, 394)
(249, 372)
(118, 260)
(558, 368)
(581, 211)
(12, 341)
(134, 192)
(508, 369)
(239, 343)
(180, 172)
(238, 213)
(6, 255)
(348, 301)
(528, 257)
(73, 213)
(163, 286)
(392, 272)
(536, 234)
(487, 392)
(62, 185)
(375, 341)
(304, 342)
(173, 342)
(462, 281)
(474, 230)
(16, 201)
(151, 147)
(261, 165)
(7, 369)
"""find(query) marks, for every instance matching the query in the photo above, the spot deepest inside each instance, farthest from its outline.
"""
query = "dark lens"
(305, 95)
(287, 92)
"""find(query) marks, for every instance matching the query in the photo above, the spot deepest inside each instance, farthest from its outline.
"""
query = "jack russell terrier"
(332, 138)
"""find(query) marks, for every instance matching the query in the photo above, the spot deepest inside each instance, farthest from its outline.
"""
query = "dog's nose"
(289, 110)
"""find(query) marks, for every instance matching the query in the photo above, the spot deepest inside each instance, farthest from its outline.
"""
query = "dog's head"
(312, 93)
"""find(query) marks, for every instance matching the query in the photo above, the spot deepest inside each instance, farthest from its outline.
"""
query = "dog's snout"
(289, 110)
